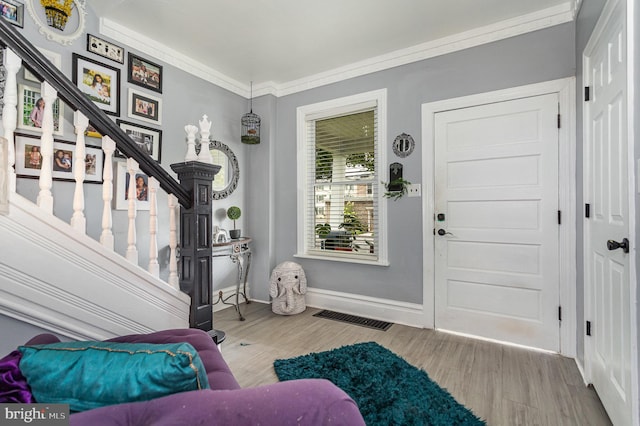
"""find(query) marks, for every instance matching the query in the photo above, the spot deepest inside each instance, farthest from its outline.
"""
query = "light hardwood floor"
(502, 384)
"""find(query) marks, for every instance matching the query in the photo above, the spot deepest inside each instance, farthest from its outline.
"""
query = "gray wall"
(535, 57)
(585, 22)
(16, 333)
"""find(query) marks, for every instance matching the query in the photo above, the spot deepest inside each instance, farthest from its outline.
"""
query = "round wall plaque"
(403, 145)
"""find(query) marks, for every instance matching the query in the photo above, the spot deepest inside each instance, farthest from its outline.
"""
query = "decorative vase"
(234, 234)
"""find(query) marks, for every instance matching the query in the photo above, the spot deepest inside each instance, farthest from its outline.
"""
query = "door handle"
(442, 232)
(614, 245)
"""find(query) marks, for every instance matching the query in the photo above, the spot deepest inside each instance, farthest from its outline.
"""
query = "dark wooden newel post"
(196, 278)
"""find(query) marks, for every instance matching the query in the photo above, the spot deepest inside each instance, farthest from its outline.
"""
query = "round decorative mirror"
(226, 179)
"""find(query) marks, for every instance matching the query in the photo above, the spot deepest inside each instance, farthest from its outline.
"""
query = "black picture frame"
(106, 95)
(28, 166)
(144, 73)
(12, 12)
(148, 139)
(105, 48)
(144, 107)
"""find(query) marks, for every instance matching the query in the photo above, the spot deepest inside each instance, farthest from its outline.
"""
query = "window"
(341, 158)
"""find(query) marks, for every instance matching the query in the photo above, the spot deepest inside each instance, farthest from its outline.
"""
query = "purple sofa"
(295, 402)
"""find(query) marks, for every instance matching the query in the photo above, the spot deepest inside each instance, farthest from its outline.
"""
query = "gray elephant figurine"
(288, 284)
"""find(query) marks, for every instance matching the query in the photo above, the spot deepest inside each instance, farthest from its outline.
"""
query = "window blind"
(342, 215)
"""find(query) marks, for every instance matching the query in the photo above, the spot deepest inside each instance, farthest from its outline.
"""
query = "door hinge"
(559, 313)
(559, 217)
(588, 328)
(587, 94)
(587, 210)
(558, 121)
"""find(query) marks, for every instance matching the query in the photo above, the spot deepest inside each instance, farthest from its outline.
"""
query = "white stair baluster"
(78, 220)
(154, 267)
(173, 242)
(106, 237)
(132, 250)
(45, 197)
(4, 176)
(12, 63)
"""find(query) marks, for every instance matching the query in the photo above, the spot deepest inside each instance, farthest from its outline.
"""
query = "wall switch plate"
(414, 190)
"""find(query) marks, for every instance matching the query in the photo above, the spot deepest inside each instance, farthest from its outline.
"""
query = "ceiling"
(276, 42)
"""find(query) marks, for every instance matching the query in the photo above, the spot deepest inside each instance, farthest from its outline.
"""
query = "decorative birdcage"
(250, 125)
(57, 11)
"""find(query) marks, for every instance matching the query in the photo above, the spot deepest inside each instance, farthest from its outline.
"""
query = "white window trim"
(328, 109)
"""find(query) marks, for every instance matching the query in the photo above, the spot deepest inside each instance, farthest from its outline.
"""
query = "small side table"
(239, 252)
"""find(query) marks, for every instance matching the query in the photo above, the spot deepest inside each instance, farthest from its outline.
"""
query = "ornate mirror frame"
(55, 35)
(234, 173)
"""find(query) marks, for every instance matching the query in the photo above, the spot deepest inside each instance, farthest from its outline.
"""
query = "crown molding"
(179, 60)
(501, 30)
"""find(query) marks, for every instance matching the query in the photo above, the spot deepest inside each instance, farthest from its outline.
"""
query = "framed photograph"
(55, 58)
(99, 82)
(29, 159)
(121, 197)
(105, 49)
(148, 140)
(144, 107)
(145, 73)
(13, 11)
(31, 110)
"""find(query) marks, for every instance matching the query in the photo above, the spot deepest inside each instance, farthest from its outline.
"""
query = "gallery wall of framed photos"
(98, 72)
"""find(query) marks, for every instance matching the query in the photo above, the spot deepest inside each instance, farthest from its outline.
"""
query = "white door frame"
(633, 273)
(565, 88)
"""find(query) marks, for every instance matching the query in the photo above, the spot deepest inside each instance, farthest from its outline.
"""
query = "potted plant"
(234, 214)
(396, 189)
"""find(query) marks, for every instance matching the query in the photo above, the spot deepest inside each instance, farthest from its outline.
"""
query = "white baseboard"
(405, 313)
(582, 372)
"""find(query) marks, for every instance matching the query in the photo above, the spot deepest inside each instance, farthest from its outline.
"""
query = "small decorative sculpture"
(220, 235)
(288, 286)
(191, 142)
(205, 127)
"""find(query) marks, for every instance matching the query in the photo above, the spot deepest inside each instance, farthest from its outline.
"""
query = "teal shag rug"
(387, 389)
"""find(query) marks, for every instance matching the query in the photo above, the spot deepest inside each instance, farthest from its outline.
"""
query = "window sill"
(342, 259)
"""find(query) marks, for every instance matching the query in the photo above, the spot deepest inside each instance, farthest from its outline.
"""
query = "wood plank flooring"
(503, 385)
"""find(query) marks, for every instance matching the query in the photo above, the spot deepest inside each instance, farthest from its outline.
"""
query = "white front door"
(496, 221)
(608, 293)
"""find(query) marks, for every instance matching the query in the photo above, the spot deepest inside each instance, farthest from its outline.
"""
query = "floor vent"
(352, 319)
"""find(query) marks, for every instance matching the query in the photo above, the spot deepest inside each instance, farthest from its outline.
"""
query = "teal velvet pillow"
(89, 375)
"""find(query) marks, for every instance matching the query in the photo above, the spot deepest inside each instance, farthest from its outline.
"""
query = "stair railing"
(54, 84)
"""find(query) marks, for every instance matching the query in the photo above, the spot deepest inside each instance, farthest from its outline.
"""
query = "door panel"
(607, 280)
(496, 182)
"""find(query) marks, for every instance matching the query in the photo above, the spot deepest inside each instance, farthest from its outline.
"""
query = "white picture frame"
(28, 96)
(120, 197)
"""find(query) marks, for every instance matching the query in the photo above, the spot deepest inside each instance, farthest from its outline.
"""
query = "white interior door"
(608, 354)
(496, 197)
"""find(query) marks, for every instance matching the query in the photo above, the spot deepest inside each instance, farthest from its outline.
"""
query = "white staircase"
(61, 280)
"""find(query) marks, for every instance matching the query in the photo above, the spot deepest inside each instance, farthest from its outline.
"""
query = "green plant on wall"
(396, 189)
